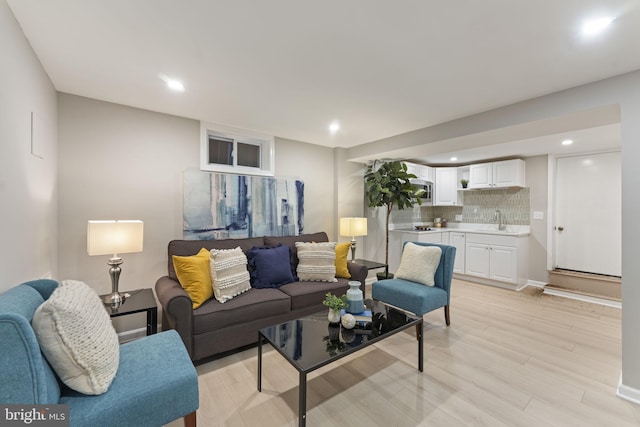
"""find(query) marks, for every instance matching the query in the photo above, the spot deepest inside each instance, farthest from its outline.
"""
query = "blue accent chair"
(156, 381)
(415, 297)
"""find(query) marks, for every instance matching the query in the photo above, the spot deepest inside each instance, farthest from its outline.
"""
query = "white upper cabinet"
(446, 187)
(506, 173)
(426, 172)
(421, 171)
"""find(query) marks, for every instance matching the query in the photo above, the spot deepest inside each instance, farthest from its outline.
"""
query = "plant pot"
(382, 276)
(333, 316)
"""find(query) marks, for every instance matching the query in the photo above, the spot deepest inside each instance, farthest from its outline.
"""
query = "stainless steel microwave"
(426, 187)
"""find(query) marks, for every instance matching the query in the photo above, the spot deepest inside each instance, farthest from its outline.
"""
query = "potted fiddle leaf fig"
(387, 185)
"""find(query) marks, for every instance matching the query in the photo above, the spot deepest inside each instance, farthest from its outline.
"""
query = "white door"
(588, 214)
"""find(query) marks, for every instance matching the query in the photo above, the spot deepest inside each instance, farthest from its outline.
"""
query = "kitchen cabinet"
(497, 257)
(446, 187)
(458, 240)
(423, 172)
(426, 172)
(506, 173)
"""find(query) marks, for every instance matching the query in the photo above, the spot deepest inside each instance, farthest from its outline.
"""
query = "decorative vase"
(355, 299)
(334, 316)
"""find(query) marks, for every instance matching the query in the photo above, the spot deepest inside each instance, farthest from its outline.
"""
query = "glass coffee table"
(311, 342)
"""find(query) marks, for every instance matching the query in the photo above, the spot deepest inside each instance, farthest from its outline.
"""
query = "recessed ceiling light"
(175, 85)
(172, 84)
(596, 26)
(567, 142)
(453, 159)
(334, 127)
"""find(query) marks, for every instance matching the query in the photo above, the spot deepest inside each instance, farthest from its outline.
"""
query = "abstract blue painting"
(221, 206)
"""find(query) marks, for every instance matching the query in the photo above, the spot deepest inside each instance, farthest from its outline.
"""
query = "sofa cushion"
(194, 276)
(192, 247)
(291, 242)
(270, 267)
(229, 275)
(251, 305)
(77, 338)
(316, 261)
(307, 294)
(342, 250)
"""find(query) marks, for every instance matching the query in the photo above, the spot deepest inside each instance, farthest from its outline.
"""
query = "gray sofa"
(213, 327)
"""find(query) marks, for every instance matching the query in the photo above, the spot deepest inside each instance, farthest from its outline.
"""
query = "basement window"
(229, 150)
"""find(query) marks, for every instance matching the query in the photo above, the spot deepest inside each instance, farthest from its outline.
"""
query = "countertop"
(481, 229)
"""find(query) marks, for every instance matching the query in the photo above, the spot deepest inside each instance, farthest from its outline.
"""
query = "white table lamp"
(114, 237)
(353, 227)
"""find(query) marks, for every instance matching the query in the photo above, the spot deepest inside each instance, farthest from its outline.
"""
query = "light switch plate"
(538, 215)
(458, 217)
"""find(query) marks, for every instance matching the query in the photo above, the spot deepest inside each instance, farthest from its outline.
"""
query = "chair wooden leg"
(446, 315)
(190, 420)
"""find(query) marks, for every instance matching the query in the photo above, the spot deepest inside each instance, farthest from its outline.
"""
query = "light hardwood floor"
(508, 359)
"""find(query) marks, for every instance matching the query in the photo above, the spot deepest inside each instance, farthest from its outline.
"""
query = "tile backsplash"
(478, 207)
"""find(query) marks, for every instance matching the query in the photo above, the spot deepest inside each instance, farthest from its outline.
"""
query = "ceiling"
(289, 68)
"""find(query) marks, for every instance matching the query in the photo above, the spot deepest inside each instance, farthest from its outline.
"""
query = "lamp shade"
(114, 237)
(353, 227)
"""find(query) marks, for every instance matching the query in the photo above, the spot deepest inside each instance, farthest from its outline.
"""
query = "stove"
(423, 227)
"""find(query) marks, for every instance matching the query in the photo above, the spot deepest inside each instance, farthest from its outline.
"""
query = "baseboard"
(628, 393)
(132, 334)
(581, 297)
(535, 284)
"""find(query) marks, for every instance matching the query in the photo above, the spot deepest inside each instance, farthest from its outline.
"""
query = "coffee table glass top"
(311, 342)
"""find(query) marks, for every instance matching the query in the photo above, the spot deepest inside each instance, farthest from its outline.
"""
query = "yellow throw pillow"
(194, 276)
(342, 250)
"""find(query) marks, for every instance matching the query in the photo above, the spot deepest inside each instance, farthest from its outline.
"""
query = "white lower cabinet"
(495, 257)
(457, 240)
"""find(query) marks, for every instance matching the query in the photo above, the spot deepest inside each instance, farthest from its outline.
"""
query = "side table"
(138, 301)
(372, 265)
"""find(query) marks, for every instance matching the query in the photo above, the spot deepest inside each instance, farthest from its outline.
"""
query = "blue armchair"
(415, 297)
(156, 381)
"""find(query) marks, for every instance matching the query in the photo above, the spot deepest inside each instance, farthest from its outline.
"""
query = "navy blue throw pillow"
(270, 267)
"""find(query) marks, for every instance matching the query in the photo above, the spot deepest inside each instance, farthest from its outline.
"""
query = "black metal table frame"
(302, 373)
(151, 310)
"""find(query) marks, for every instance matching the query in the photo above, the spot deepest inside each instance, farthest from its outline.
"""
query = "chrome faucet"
(497, 216)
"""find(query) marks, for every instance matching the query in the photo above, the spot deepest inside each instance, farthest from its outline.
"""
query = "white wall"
(119, 162)
(536, 180)
(28, 187)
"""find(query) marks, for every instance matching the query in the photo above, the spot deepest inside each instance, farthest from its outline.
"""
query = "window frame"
(265, 142)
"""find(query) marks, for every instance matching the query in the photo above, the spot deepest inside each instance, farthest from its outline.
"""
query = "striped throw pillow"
(316, 261)
(229, 274)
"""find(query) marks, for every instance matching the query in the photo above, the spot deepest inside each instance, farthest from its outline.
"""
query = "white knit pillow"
(77, 338)
(419, 263)
(229, 274)
(316, 261)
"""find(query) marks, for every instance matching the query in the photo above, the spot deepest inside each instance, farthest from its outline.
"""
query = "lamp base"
(113, 298)
(353, 249)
